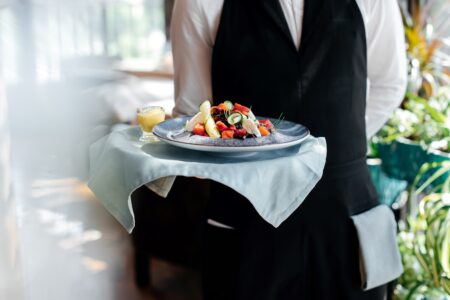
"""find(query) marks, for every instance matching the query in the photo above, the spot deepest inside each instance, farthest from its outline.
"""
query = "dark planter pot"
(390, 190)
(403, 158)
(438, 156)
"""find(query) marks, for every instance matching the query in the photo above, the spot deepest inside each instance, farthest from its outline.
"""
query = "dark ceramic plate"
(287, 134)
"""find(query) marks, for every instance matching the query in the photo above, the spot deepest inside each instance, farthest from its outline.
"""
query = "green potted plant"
(425, 241)
(418, 131)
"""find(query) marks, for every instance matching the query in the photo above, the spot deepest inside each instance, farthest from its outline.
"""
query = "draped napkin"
(275, 182)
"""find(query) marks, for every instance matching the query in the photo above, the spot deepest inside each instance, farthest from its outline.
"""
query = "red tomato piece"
(241, 108)
(199, 129)
(232, 127)
(266, 123)
(240, 132)
(221, 126)
(227, 134)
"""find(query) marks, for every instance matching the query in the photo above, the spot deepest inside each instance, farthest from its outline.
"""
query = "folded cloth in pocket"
(380, 259)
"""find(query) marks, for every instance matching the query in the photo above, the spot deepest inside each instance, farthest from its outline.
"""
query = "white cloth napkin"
(380, 259)
(275, 182)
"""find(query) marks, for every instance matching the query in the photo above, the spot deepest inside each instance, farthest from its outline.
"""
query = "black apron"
(314, 253)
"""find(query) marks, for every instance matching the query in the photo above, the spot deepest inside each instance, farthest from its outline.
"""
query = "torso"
(321, 85)
(314, 253)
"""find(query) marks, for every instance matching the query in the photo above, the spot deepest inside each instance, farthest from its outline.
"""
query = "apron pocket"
(380, 260)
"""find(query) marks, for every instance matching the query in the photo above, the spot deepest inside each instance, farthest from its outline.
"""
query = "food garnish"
(228, 121)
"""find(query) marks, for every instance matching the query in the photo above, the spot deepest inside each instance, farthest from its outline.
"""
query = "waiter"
(335, 66)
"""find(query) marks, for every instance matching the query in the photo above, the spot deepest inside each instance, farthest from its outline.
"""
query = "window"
(37, 36)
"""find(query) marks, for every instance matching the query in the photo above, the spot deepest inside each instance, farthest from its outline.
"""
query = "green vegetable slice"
(234, 118)
(229, 105)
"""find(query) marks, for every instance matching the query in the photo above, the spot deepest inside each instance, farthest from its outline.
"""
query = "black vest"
(322, 85)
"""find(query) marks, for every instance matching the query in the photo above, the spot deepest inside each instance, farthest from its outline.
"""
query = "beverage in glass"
(148, 117)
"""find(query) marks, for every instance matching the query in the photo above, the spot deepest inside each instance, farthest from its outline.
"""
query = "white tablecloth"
(275, 182)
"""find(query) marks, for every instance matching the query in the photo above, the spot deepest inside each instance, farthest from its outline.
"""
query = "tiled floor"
(56, 240)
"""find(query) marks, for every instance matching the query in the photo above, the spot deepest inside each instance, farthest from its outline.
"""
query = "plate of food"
(230, 128)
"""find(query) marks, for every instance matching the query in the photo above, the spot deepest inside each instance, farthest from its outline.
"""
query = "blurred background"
(70, 71)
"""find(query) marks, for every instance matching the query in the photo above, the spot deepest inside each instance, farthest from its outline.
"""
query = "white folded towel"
(275, 182)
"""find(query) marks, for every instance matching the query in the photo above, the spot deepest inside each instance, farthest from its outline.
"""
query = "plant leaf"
(444, 169)
(445, 259)
(446, 186)
(434, 113)
(423, 259)
(446, 284)
(414, 290)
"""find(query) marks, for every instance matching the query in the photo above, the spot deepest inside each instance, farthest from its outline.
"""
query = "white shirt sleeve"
(386, 61)
(192, 52)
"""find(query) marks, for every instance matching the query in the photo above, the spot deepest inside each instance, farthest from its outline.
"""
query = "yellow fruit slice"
(211, 128)
(205, 110)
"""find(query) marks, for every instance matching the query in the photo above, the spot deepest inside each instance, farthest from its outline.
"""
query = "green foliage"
(425, 121)
(424, 116)
(425, 243)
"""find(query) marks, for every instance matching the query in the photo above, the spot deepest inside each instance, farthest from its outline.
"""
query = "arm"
(386, 62)
(192, 51)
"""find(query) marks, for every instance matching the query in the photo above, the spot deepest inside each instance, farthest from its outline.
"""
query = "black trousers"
(313, 255)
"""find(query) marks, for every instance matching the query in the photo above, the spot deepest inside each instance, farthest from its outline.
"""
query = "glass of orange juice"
(148, 117)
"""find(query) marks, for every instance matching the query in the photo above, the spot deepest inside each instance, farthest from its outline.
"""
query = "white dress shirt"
(194, 28)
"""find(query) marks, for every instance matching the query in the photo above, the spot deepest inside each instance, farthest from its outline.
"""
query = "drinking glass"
(148, 117)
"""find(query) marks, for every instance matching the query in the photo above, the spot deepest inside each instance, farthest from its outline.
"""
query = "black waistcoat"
(321, 85)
